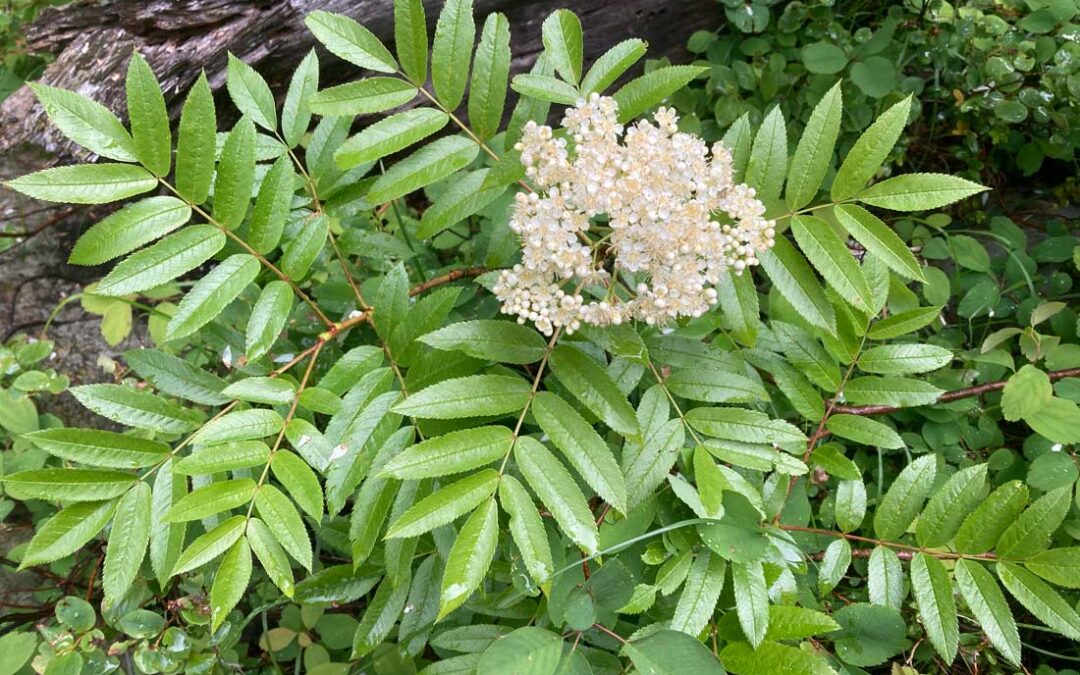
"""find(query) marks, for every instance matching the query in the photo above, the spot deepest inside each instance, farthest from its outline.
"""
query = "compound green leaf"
(870, 151)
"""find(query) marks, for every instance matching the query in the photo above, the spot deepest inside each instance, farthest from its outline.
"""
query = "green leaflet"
(788, 622)
(868, 153)
(177, 377)
(561, 35)
(669, 652)
(751, 600)
(1031, 531)
(768, 157)
(134, 408)
(937, 609)
(235, 175)
(271, 556)
(455, 452)
(960, 496)
(903, 323)
(299, 481)
(166, 539)
(350, 41)
(544, 88)
(242, 425)
(582, 446)
(715, 386)
(919, 191)
(250, 93)
(538, 648)
(230, 582)
(379, 618)
(266, 390)
(879, 239)
(593, 387)
(1059, 566)
(738, 139)
(225, 457)
(469, 557)
(271, 206)
(527, 529)
(268, 318)
(173, 256)
(487, 93)
(464, 198)
(67, 531)
(304, 247)
(212, 499)
(363, 97)
(611, 64)
(212, 294)
(284, 521)
(885, 578)
(744, 425)
(445, 505)
(129, 228)
(895, 391)
(794, 280)
(411, 38)
(831, 257)
(814, 152)
(904, 499)
(557, 490)
(1026, 392)
(389, 135)
(698, 600)
(638, 95)
(1040, 599)
(455, 32)
(150, 128)
(372, 506)
(100, 448)
(739, 302)
(429, 164)
(296, 111)
(472, 396)
(771, 657)
(863, 430)
(987, 603)
(127, 544)
(85, 121)
(983, 527)
(210, 545)
(85, 183)
(834, 565)
(196, 143)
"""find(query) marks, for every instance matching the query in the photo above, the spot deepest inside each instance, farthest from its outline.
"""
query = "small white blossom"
(674, 218)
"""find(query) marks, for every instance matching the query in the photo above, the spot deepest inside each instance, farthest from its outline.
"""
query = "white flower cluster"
(668, 219)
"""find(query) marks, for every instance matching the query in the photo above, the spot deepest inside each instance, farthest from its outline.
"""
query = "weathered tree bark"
(92, 42)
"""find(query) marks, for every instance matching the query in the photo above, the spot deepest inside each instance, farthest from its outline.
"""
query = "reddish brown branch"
(949, 395)
(454, 275)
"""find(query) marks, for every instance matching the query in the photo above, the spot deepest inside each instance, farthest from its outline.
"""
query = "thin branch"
(454, 275)
(945, 555)
(948, 396)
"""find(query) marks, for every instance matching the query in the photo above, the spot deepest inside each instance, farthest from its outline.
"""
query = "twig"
(454, 275)
(948, 396)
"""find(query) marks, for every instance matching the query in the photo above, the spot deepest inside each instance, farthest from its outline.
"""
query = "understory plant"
(491, 396)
